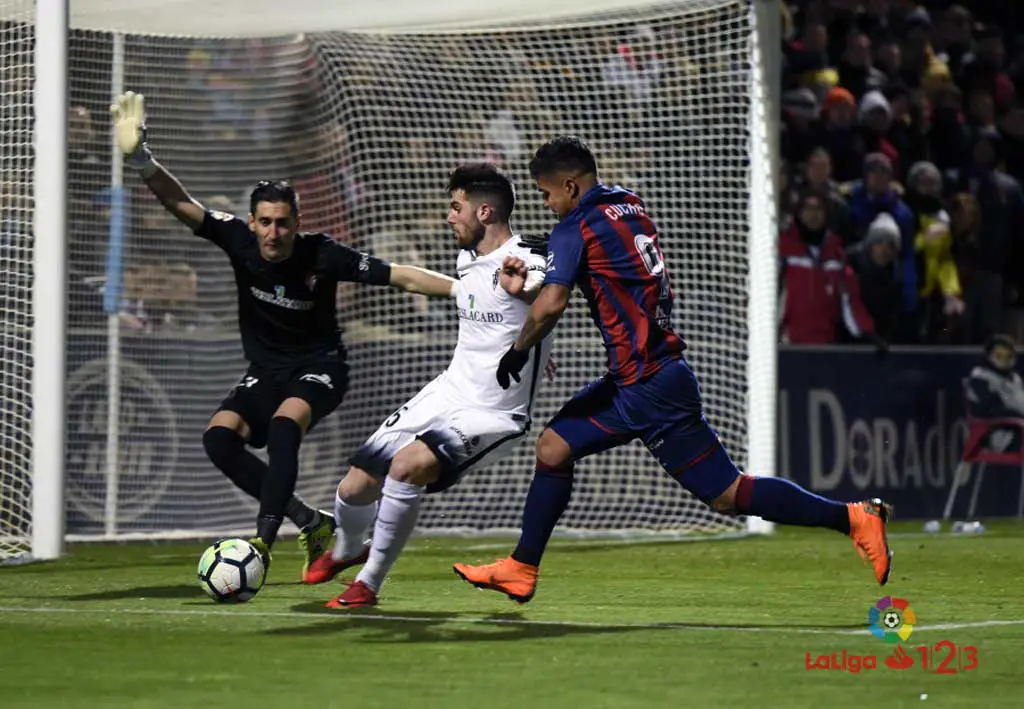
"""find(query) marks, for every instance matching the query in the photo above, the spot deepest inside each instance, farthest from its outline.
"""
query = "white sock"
(399, 508)
(353, 523)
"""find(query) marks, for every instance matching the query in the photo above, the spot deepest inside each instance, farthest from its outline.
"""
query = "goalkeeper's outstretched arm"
(129, 114)
(414, 279)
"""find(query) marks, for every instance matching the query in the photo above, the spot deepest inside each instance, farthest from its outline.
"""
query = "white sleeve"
(536, 266)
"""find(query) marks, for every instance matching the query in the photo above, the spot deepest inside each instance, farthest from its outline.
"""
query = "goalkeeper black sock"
(226, 450)
(546, 500)
(284, 436)
(266, 528)
(300, 513)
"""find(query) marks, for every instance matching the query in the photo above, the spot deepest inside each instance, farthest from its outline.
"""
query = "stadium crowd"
(902, 140)
(901, 136)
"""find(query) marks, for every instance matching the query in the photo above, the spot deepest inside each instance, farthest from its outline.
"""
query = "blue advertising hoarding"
(852, 425)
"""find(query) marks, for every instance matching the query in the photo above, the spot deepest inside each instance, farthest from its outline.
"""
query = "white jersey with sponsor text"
(489, 321)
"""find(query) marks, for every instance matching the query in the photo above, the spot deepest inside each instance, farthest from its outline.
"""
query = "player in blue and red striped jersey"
(607, 245)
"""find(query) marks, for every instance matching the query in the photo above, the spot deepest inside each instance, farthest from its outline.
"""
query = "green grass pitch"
(680, 624)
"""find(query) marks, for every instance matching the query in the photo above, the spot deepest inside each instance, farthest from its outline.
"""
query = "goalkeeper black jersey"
(286, 310)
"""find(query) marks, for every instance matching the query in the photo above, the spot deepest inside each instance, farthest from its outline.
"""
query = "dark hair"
(566, 152)
(813, 193)
(1000, 341)
(990, 32)
(487, 182)
(276, 191)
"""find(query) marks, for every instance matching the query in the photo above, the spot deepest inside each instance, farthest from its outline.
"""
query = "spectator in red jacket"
(820, 290)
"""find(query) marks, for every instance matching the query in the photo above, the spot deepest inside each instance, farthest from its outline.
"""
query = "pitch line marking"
(455, 620)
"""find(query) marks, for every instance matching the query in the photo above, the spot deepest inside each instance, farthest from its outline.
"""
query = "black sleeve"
(225, 230)
(538, 245)
(343, 263)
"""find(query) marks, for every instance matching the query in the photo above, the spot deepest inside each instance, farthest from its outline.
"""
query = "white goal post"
(365, 111)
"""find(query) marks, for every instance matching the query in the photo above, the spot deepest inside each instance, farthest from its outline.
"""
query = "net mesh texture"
(16, 73)
(367, 127)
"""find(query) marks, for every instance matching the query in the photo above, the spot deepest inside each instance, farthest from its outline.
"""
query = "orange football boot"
(867, 528)
(515, 579)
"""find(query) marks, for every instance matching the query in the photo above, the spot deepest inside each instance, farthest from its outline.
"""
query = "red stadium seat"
(975, 451)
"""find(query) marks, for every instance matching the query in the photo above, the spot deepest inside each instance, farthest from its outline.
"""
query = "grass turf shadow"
(424, 627)
(182, 590)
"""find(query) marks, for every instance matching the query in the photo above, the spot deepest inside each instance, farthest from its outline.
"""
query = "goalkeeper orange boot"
(357, 595)
(867, 528)
(326, 568)
(515, 579)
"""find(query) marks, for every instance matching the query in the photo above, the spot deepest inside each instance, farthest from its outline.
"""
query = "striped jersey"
(608, 246)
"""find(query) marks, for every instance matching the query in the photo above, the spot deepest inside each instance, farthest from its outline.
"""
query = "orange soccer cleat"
(326, 568)
(515, 579)
(357, 595)
(867, 528)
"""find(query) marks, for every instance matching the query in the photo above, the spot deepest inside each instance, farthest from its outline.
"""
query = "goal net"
(16, 72)
(367, 126)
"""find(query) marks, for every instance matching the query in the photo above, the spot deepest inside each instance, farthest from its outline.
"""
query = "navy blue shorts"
(665, 413)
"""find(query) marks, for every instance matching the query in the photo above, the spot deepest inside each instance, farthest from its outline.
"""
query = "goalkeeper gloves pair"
(129, 112)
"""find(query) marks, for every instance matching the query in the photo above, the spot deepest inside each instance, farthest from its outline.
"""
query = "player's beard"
(475, 235)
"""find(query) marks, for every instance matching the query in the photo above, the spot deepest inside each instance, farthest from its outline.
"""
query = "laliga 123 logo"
(891, 620)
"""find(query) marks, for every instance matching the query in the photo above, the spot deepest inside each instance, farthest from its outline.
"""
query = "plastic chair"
(975, 451)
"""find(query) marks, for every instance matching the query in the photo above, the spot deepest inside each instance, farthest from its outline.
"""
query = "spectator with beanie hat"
(875, 116)
(799, 111)
(876, 262)
(872, 196)
(838, 134)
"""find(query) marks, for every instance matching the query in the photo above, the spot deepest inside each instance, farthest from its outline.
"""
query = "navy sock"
(547, 499)
(783, 501)
(284, 436)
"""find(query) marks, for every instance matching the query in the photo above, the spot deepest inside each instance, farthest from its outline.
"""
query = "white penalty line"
(458, 620)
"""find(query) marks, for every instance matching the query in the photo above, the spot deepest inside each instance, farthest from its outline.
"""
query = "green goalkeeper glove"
(129, 112)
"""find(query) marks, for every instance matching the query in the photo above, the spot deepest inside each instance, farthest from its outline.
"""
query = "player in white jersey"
(462, 419)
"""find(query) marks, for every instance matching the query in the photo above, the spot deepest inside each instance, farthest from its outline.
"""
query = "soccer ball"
(231, 570)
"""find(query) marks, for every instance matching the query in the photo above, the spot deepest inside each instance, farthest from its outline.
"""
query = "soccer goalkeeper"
(297, 375)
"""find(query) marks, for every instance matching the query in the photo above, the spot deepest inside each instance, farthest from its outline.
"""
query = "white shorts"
(462, 437)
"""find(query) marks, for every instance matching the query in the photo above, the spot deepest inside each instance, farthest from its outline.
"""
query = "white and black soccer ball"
(231, 570)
